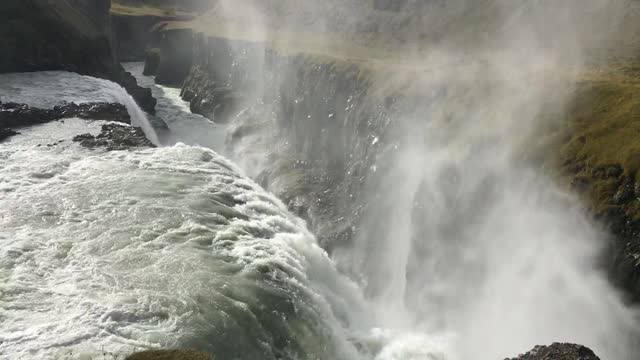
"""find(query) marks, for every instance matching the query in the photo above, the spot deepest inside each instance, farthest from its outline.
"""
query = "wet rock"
(14, 115)
(170, 355)
(217, 104)
(141, 95)
(559, 351)
(94, 111)
(7, 133)
(115, 137)
(175, 56)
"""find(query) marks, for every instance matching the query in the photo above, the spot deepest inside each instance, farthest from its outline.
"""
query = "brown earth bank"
(71, 35)
(556, 351)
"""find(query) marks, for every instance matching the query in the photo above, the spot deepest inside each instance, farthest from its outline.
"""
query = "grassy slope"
(600, 134)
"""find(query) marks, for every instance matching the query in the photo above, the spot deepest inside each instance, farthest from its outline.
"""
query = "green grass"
(601, 129)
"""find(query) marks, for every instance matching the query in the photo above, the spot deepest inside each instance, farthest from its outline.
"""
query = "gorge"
(438, 180)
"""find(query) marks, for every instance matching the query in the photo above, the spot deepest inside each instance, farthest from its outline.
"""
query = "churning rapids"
(103, 253)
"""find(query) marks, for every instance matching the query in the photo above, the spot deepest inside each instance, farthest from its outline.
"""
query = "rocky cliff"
(320, 157)
(71, 35)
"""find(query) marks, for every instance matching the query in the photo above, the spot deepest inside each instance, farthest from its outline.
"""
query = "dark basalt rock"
(141, 95)
(170, 355)
(7, 133)
(14, 115)
(559, 351)
(94, 111)
(115, 137)
(175, 56)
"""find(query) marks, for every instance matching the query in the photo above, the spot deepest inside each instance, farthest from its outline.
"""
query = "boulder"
(14, 115)
(558, 351)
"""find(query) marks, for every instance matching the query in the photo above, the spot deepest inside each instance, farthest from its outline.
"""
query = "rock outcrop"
(13, 115)
(71, 35)
(115, 137)
(7, 133)
(175, 55)
(596, 153)
(170, 355)
(559, 351)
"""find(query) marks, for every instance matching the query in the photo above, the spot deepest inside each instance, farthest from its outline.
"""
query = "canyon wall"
(39, 35)
(321, 157)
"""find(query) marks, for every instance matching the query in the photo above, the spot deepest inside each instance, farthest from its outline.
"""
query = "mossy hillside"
(600, 134)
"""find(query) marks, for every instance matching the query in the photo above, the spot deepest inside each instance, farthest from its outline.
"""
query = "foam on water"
(165, 247)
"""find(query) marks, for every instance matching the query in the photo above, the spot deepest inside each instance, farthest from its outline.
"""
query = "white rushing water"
(104, 253)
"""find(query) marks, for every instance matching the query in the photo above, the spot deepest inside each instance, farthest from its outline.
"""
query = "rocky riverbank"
(332, 147)
(14, 117)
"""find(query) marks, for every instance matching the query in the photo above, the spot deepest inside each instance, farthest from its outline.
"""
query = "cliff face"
(596, 154)
(321, 157)
(315, 155)
(71, 35)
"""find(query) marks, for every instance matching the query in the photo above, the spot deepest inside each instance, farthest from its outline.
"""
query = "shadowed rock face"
(17, 115)
(115, 137)
(71, 35)
(170, 355)
(559, 351)
(7, 133)
(13, 115)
